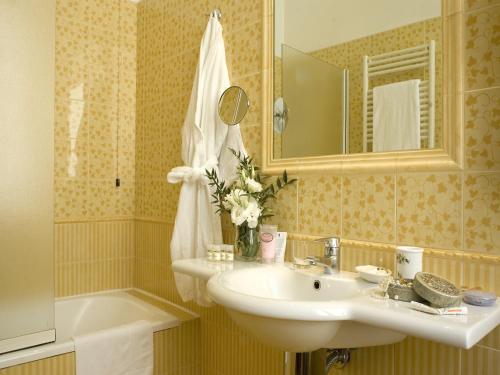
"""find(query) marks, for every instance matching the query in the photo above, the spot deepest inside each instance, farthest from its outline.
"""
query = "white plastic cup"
(408, 261)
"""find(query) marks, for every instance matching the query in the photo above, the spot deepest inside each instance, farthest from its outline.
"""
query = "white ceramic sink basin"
(294, 310)
(283, 308)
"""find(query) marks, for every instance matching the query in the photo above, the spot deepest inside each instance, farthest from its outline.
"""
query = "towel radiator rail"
(407, 59)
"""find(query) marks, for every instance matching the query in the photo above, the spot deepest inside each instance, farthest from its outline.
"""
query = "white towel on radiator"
(396, 116)
(123, 350)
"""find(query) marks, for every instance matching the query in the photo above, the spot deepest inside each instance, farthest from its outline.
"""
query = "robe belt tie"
(191, 174)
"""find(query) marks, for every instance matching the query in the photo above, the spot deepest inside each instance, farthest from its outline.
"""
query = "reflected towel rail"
(407, 59)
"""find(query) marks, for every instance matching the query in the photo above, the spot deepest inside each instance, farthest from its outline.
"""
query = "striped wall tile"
(492, 340)
(415, 356)
(59, 365)
(481, 271)
(480, 361)
(94, 256)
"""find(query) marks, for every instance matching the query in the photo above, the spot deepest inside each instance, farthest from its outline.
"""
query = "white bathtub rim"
(44, 351)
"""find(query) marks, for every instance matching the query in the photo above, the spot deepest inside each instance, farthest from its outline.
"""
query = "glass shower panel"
(315, 96)
(26, 168)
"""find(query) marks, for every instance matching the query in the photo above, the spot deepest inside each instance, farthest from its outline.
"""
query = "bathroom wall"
(454, 215)
(169, 34)
(95, 92)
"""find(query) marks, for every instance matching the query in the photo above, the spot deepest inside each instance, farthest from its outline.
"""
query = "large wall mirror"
(359, 77)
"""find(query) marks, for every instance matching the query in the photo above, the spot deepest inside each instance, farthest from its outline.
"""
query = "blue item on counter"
(479, 298)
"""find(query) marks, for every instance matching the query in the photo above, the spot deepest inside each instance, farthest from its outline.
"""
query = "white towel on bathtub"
(123, 350)
(396, 116)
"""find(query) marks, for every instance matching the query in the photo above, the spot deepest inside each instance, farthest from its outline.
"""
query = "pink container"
(268, 242)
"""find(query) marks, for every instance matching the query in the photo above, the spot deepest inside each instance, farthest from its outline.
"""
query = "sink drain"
(317, 284)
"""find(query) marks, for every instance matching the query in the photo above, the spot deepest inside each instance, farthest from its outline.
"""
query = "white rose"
(252, 213)
(253, 186)
(237, 198)
(237, 215)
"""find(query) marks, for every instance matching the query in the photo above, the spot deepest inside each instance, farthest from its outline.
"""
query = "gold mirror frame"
(447, 158)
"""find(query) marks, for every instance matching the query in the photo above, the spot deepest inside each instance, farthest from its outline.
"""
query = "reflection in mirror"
(352, 77)
(233, 105)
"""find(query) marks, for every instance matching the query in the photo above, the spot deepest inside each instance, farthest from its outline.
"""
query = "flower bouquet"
(245, 200)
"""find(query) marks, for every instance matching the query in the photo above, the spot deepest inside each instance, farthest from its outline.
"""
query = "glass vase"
(246, 243)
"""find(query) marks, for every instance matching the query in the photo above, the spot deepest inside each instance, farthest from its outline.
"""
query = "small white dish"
(373, 274)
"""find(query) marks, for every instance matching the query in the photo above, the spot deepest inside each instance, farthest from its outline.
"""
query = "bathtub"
(89, 313)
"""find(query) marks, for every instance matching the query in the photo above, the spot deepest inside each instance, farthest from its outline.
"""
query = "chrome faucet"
(331, 257)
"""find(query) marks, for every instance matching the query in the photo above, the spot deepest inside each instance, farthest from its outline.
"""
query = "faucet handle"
(332, 245)
(311, 259)
(332, 241)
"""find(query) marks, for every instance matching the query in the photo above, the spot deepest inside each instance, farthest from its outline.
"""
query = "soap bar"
(479, 298)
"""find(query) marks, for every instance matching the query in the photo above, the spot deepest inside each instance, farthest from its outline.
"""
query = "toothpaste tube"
(458, 310)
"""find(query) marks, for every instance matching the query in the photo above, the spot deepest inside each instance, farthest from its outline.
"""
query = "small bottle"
(228, 253)
(210, 253)
(216, 253)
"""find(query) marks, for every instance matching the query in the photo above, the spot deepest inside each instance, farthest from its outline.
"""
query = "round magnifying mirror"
(233, 105)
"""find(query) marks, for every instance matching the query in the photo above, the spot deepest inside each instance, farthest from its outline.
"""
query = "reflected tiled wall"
(350, 55)
(94, 143)
(454, 215)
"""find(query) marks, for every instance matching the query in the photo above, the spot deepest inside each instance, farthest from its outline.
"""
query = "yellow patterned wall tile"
(171, 149)
(482, 52)
(253, 87)
(429, 210)
(368, 208)
(482, 130)
(415, 356)
(243, 50)
(70, 199)
(71, 40)
(125, 199)
(482, 212)
(71, 159)
(71, 120)
(480, 361)
(476, 4)
(73, 80)
(411, 35)
(285, 209)
(105, 13)
(102, 196)
(320, 205)
(239, 13)
(251, 138)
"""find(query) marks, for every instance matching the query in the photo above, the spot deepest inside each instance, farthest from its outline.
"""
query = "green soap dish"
(438, 291)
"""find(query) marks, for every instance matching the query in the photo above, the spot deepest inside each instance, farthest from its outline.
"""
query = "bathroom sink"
(295, 310)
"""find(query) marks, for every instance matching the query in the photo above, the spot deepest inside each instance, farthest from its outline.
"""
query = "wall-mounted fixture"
(233, 105)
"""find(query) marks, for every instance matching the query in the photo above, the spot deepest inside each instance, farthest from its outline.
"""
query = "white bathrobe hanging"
(205, 142)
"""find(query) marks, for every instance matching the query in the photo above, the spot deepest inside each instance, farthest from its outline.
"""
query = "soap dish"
(402, 292)
(373, 274)
(479, 298)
